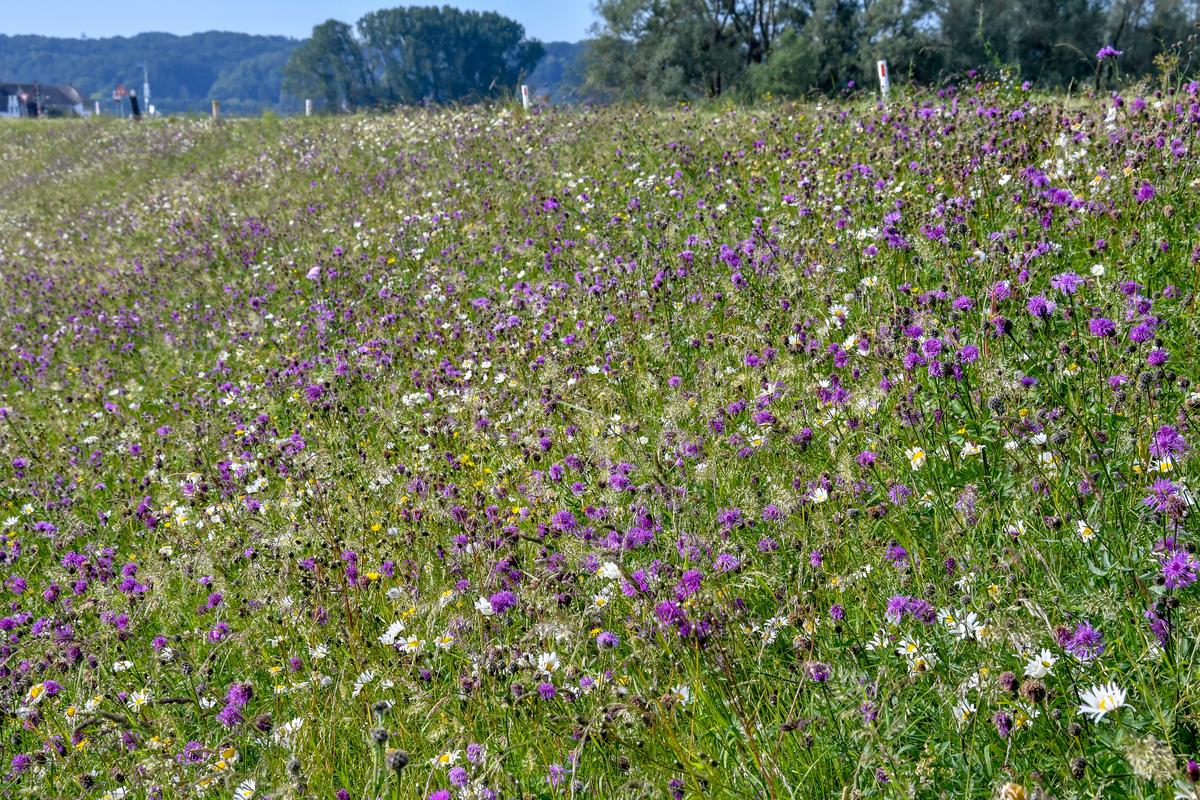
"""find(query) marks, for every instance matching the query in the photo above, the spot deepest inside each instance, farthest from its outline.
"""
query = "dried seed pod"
(396, 760)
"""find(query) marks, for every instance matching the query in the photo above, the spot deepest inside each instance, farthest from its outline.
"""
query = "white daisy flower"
(363, 679)
(389, 636)
(548, 663)
(915, 456)
(1100, 700)
(1041, 665)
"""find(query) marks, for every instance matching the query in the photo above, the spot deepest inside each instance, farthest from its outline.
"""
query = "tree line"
(411, 55)
(665, 50)
(186, 72)
(678, 49)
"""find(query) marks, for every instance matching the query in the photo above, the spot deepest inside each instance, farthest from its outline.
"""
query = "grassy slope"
(160, 269)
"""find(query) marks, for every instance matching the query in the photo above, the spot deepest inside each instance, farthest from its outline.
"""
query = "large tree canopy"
(411, 55)
(678, 49)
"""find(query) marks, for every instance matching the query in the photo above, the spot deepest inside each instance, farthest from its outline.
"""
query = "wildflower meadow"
(826, 450)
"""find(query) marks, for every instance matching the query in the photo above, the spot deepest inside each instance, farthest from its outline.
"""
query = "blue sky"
(548, 20)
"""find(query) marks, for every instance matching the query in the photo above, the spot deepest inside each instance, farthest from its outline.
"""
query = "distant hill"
(186, 72)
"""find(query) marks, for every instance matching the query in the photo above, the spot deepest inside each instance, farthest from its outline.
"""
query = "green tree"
(559, 74)
(671, 49)
(1145, 29)
(792, 70)
(411, 55)
(834, 27)
(1051, 41)
(899, 31)
(257, 80)
(331, 67)
(685, 48)
(444, 54)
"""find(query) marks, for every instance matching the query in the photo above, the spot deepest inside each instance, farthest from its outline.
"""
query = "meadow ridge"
(830, 450)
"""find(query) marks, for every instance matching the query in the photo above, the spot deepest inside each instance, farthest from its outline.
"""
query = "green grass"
(375, 443)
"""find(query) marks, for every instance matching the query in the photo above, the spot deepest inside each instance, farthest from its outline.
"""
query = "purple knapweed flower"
(239, 694)
(729, 517)
(1040, 307)
(502, 601)
(726, 563)
(1086, 643)
(1161, 491)
(1166, 441)
(563, 521)
(818, 671)
(1068, 282)
(1179, 570)
(231, 716)
(896, 607)
(689, 583)
(1102, 327)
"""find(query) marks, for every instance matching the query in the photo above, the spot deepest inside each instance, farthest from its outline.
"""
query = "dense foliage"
(819, 451)
(559, 77)
(412, 55)
(680, 49)
(186, 72)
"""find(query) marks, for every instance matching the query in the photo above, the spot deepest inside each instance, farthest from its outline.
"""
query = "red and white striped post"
(885, 82)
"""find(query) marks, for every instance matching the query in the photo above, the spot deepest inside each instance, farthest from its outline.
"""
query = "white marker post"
(145, 83)
(525, 96)
(97, 108)
(308, 108)
(885, 82)
(216, 110)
